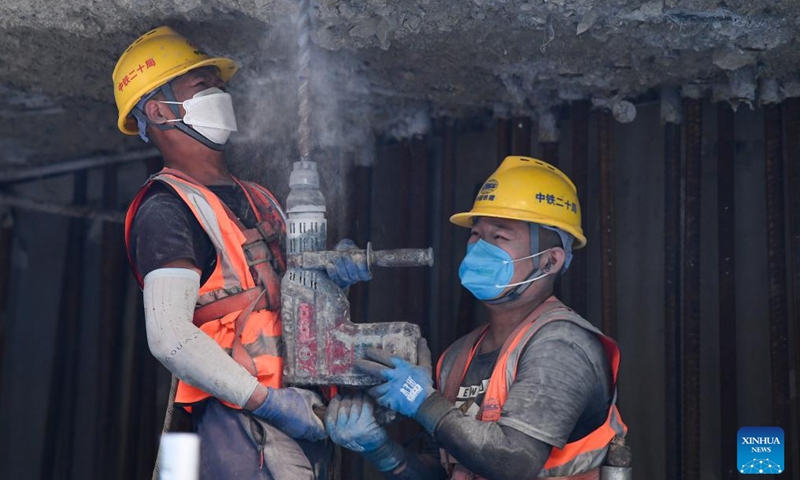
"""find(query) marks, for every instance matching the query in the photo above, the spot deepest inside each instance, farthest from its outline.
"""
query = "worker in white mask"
(206, 248)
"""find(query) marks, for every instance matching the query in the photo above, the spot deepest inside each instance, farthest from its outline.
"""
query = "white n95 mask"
(210, 113)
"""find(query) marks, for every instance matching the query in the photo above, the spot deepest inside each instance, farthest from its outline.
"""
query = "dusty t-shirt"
(562, 389)
(165, 229)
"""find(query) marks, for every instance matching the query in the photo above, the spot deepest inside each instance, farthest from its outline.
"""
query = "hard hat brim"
(465, 220)
(128, 125)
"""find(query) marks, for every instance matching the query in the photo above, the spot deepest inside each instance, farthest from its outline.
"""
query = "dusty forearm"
(417, 467)
(486, 448)
(187, 352)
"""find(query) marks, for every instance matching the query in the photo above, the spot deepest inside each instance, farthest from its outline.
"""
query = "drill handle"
(402, 257)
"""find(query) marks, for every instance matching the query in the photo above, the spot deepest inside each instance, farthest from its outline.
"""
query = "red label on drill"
(306, 357)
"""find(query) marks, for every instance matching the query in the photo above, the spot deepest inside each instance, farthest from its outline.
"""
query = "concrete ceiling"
(384, 67)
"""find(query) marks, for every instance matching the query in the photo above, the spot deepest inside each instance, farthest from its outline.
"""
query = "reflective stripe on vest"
(260, 341)
(575, 456)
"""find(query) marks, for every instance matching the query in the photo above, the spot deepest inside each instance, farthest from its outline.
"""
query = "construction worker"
(206, 249)
(532, 393)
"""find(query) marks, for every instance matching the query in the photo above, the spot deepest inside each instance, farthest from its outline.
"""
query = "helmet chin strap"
(170, 96)
(515, 293)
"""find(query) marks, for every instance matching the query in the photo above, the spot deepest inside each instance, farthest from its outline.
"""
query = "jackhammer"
(321, 343)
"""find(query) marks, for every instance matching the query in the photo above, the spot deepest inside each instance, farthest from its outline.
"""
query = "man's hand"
(350, 422)
(291, 410)
(344, 270)
(407, 386)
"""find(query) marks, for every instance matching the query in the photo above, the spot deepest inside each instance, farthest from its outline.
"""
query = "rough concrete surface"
(381, 67)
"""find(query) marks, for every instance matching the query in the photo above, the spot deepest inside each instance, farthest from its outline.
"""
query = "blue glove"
(350, 422)
(407, 386)
(343, 269)
(291, 411)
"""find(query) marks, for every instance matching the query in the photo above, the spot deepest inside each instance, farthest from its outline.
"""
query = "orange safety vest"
(239, 305)
(568, 461)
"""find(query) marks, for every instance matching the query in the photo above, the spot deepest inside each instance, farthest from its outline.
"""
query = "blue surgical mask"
(487, 270)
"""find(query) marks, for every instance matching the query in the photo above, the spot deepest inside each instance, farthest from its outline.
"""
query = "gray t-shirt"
(562, 389)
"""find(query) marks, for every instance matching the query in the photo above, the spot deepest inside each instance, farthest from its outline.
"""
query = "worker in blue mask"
(531, 394)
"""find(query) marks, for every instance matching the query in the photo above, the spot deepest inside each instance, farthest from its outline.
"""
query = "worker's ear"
(554, 260)
(156, 111)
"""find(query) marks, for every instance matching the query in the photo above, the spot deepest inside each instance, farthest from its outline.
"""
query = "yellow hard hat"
(527, 189)
(152, 60)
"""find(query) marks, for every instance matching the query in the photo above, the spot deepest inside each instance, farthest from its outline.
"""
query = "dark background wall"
(80, 396)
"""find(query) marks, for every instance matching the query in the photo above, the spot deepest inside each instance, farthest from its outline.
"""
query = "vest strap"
(239, 353)
(459, 367)
(219, 308)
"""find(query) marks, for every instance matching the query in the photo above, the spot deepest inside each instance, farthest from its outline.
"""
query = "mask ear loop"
(173, 103)
(566, 243)
(523, 285)
(141, 117)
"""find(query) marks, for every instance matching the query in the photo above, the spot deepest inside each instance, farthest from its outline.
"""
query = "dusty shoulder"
(558, 335)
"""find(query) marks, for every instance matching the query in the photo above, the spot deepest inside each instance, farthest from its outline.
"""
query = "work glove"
(343, 269)
(350, 422)
(291, 411)
(407, 385)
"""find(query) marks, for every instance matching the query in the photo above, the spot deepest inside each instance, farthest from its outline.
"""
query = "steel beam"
(520, 136)
(6, 241)
(503, 138)
(729, 419)
(608, 263)
(404, 276)
(776, 265)
(75, 165)
(691, 289)
(550, 153)
(580, 176)
(75, 211)
(114, 278)
(672, 296)
(792, 125)
(445, 254)
(358, 224)
(419, 231)
(59, 436)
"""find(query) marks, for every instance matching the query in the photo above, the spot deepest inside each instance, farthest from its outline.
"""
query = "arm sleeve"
(554, 384)
(420, 466)
(170, 295)
(486, 448)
